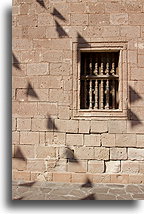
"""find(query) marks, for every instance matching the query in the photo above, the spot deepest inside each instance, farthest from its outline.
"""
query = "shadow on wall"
(19, 155)
(81, 41)
(69, 153)
(29, 184)
(58, 14)
(31, 92)
(41, 3)
(16, 63)
(87, 184)
(60, 30)
(51, 124)
(132, 117)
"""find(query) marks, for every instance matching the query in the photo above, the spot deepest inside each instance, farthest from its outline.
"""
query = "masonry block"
(60, 69)
(81, 166)
(108, 140)
(45, 19)
(72, 126)
(24, 109)
(22, 44)
(130, 167)
(140, 140)
(39, 124)
(24, 124)
(101, 178)
(118, 153)
(119, 19)
(125, 140)
(24, 151)
(112, 166)
(45, 152)
(21, 175)
(79, 19)
(99, 126)
(84, 126)
(92, 140)
(120, 178)
(62, 177)
(38, 69)
(64, 112)
(55, 138)
(84, 153)
(96, 7)
(18, 164)
(135, 154)
(136, 19)
(15, 137)
(28, 20)
(45, 109)
(117, 126)
(95, 166)
(36, 165)
(130, 31)
(81, 177)
(101, 153)
(74, 139)
(14, 121)
(37, 33)
(29, 138)
(96, 19)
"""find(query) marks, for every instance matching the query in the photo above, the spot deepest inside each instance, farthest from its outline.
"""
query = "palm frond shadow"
(60, 30)
(29, 184)
(16, 63)
(31, 92)
(51, 124)
(69, 153)
(58, 14)
(41, 3)
(87, 184)
(133, 118)
(81, 42)
(133, 95)
(19, 155)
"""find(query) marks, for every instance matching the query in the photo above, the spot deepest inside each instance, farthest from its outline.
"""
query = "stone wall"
(48, 143)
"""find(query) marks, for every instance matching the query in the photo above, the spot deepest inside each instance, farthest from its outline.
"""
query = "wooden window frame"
(123, 80)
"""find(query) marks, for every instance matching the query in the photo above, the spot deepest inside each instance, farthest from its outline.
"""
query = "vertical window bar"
(96, 66)
(107, 84)
(113, 82)
(102, 85)
(85, 84)
(90, 89)
(96, 94)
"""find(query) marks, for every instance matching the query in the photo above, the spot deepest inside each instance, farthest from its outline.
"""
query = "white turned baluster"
(90, 90)
(90, 95)
(102, 85)
(113, 66)
(96, 94)
(113, 94)
(96, 84)
(107, 85)
(96, 67)
(113, 83)
(85, 85)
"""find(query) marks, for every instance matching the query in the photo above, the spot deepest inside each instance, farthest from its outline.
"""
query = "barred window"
(99, 80)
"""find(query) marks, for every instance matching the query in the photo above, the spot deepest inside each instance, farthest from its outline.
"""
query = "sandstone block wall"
(47, 142)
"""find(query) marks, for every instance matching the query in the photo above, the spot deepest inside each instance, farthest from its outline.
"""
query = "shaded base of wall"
(83, 178)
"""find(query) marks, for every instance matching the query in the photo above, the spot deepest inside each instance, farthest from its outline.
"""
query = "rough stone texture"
(46, 120)
(113, 166)
(63, 191)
